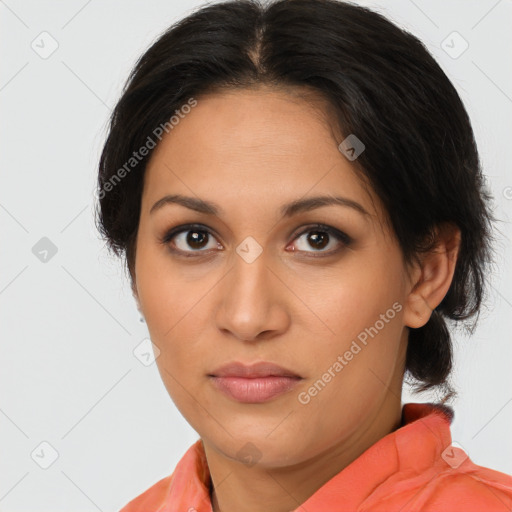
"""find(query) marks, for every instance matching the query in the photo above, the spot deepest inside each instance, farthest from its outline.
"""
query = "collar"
(414, 448)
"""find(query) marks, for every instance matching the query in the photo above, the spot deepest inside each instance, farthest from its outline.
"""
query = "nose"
(252, 301)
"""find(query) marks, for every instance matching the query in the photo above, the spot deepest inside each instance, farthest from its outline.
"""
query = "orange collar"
(415, 448)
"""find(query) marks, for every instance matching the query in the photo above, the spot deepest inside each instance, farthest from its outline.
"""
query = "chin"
(259, 450)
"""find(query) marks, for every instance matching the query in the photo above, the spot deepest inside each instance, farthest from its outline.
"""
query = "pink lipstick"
(254, 383)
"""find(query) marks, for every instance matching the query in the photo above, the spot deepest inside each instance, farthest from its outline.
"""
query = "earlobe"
(417, 310)
(433, 276)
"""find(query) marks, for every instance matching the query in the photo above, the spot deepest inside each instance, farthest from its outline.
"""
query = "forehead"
(240, 143)
(255, 121)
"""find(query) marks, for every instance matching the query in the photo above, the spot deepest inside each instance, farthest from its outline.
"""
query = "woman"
(297, 193)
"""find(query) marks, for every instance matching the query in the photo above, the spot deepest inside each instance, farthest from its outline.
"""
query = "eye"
(195, 237)
(321, 236)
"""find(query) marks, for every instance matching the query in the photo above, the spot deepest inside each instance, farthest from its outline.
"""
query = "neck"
(242, 488)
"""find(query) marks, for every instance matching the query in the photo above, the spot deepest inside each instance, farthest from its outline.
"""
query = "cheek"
(182, 362)
(363, 312)
(174, 311)
(171, 296)
(352, 371)
(347, 300)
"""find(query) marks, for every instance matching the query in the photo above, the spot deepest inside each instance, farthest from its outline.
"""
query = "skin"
(251, 152)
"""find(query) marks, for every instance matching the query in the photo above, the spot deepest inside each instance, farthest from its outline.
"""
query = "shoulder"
(469, 488)
(185, 485)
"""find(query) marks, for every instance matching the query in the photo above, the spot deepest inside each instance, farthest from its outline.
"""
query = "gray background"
(69, 326)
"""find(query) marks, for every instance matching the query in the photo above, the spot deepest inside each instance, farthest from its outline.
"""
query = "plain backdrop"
(84, 425)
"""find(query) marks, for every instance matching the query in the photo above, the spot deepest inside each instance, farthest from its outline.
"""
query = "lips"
(256, 370)
(255, 383)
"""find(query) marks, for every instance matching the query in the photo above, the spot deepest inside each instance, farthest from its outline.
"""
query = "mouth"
(255, 383)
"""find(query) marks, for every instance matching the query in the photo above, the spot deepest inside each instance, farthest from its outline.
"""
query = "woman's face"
(249, 283)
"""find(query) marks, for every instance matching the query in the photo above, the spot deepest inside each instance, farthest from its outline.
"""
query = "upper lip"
(260, 369)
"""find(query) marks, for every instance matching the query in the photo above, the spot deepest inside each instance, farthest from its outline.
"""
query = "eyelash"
(332, 232)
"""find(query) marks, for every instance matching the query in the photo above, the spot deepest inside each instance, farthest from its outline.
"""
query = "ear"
(432, 276)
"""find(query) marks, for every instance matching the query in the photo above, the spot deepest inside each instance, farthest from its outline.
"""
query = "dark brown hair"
(382, 84)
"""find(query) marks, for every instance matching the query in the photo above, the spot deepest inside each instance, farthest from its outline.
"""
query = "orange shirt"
(412, 469)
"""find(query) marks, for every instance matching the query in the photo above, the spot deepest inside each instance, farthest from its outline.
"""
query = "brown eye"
(190, 239)
(196, 239)
(319, 237)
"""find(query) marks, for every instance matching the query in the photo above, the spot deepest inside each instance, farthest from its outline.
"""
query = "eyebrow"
(287, 210)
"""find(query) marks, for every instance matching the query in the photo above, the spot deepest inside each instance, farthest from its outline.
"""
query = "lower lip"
(255, 390)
